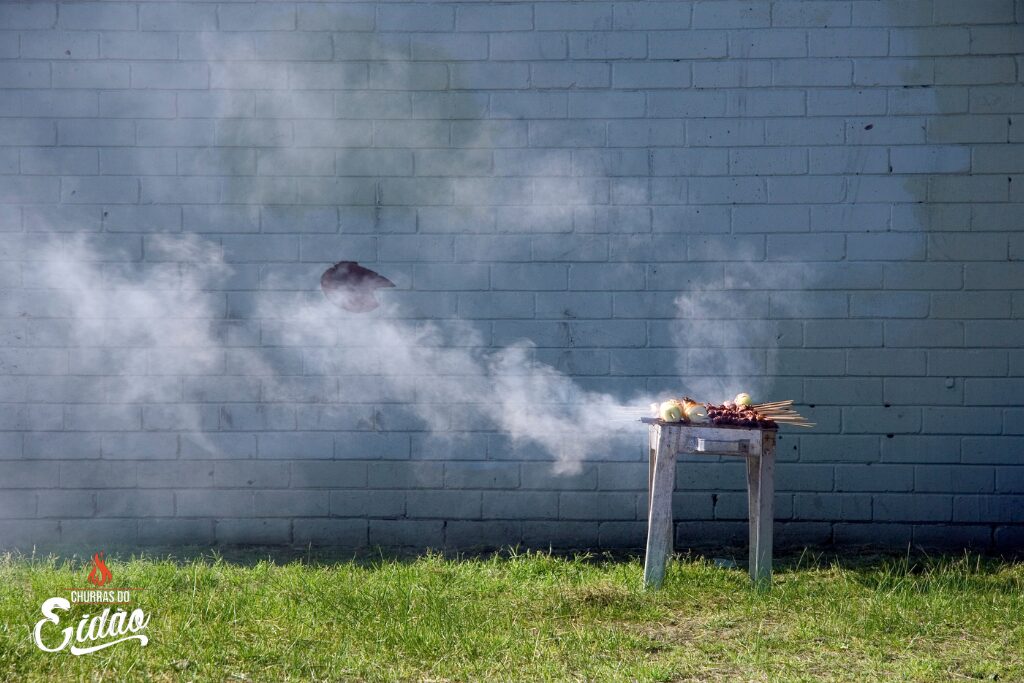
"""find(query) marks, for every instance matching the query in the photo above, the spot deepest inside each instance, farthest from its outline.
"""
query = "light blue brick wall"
(835, 187)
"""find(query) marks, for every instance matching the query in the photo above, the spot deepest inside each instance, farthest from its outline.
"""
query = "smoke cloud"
(167, 330)
(155, 334)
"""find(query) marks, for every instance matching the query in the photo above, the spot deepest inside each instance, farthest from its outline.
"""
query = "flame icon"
(99, 574)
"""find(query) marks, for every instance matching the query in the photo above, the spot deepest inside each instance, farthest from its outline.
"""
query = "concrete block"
(392, 533)
(447, 505)
(608, 45)
(99, 15)
(175, 531)
(291, 503)
(917, 508)
(346, 533)
(90, 75)
(596, 506)
(953, 479)
(872, 420)
(361, 503)
(253, 531)
(135, 504)
(874, 478)
(848, 42)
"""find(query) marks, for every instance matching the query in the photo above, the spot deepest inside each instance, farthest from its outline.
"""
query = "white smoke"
(150, 326)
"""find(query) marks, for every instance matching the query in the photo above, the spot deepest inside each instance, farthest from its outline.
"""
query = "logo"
(100, 575)
(94, 632)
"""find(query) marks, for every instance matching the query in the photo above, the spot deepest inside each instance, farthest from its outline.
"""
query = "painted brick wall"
(840, 182)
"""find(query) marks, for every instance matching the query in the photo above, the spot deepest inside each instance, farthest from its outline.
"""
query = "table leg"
(659, 518)
(761, 502)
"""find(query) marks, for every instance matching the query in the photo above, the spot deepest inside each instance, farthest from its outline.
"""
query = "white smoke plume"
(155, 325)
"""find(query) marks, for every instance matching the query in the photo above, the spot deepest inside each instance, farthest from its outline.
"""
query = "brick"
(135, 504)
(887, 246)
(968, 128)
(90, 75)
(1000, 509)
(809, 247)
(856, 42)
(858, 478)
(814, 72)
(914, 391)
(789, 190)
(63, 503)
(149, 45)
(26, 474)
(731, 74)
(135, 446)
(917, 508)
(212, 446)
(573, 16)
(897, 420)
(832, 507)
(175, 531)
(253, 531)
(45, 102)
(920, 449)
(765, 44)
(177, 16)
(98, 15)
(379, 446)
(842, 333)
(528, 46)
(81, 474)
(446, 505)
(218, 219)
(942, 100)
(406, 533)
(981, 247)
(181, 133)
(730, 14)
(596, 506)
(994, 39)
(137, 161)
(85, 132)
(356, 503)
(170, 75)
(61, 45)
(290, 503)
(244, 474)
(347, 533)
(607, 45)
(542, 476)
(28, 15)
(997, 450)
(821, 131)
(56, 160)
(845, 102)
(923, 333)
(27, 75)
(889, 305)
(983, 12)
(906, 72)
(953, 479)
(766, 161)
(103, 532)
(961, 421)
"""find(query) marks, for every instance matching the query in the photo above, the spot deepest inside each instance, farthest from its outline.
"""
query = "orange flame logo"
(99, 574)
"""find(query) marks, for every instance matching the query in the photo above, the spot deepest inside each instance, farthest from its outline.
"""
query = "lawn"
(534, 617)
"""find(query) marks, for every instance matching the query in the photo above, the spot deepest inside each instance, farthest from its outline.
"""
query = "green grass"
(536, 617)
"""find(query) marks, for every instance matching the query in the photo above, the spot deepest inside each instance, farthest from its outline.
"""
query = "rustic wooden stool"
(667, 440)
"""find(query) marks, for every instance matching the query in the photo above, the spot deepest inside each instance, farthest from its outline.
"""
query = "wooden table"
(667, 440)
